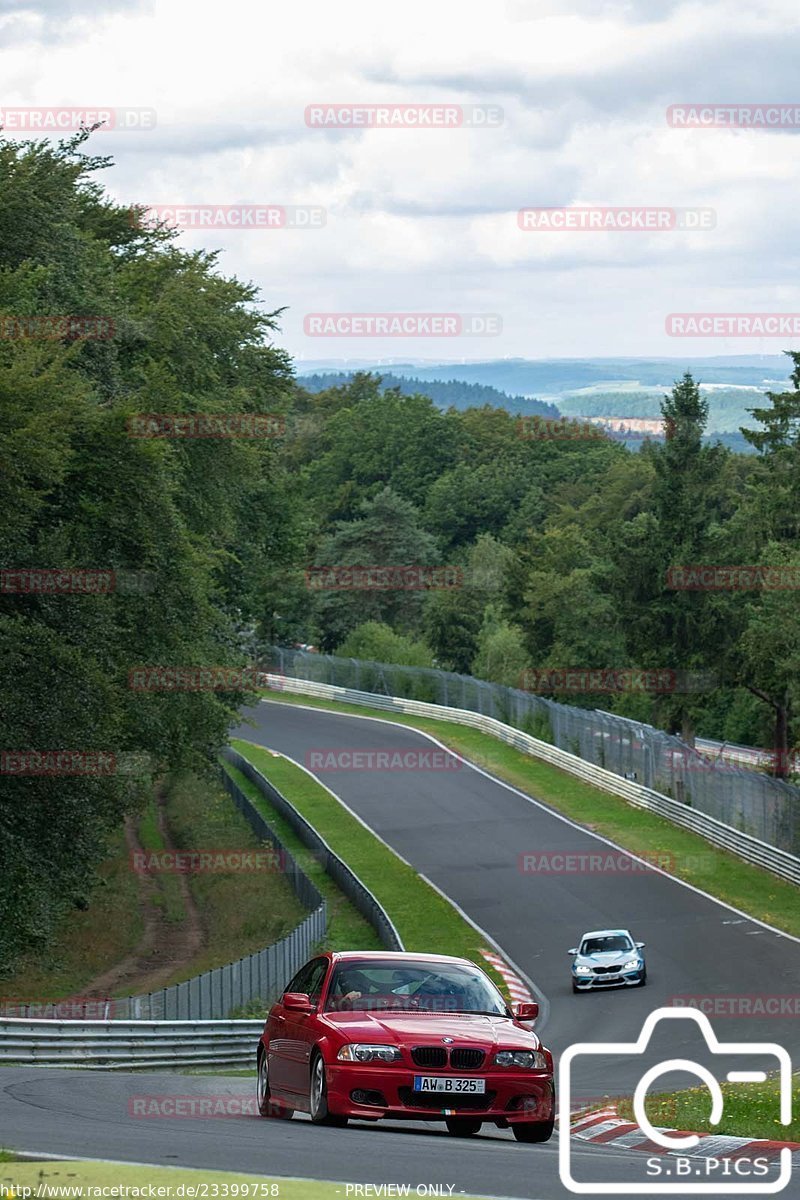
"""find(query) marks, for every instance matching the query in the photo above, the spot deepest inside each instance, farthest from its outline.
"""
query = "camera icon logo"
(664, 1138)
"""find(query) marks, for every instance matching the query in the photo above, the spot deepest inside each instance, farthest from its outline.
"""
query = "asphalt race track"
(465, 831)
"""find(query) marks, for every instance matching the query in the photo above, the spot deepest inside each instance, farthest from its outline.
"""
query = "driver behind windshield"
(349, 985)
(416, 988)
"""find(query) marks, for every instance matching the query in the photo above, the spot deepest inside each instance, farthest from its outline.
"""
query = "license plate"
(448, 1083)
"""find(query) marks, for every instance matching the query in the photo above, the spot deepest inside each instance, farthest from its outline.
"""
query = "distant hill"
(728, 407)
(551, 377)
(445, 393)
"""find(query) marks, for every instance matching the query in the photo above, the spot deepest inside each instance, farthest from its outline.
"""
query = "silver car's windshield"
(608, 944)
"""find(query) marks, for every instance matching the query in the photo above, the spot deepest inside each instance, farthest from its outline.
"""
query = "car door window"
(313, 986)
(300, 981)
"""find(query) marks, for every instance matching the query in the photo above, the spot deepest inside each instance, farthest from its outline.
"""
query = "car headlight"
(366, 1052)
(583, 970)
(529, 1060)
(632, 964)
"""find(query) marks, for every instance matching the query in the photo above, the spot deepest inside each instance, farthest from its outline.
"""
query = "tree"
(376, 642)
(169, 520)
(386, 533)
(501, 656)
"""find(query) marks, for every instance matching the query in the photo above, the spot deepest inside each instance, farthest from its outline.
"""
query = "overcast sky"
(423, 221)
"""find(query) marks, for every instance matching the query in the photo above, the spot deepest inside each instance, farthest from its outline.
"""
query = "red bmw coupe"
(416, 1036)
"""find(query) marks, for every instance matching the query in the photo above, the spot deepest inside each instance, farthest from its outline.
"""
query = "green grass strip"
(689, 856)
(347, 928)
(425, 920)
(751, 1110)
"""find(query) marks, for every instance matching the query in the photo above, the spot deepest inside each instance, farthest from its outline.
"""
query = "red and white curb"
(518, 992)
(606, 1127)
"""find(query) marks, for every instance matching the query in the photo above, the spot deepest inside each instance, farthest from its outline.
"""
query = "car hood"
(413, 1029)
(609, 958)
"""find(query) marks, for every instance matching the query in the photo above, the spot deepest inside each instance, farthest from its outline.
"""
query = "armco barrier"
(126, 1045)
(338, 870)
(752, 801)
(779, 862)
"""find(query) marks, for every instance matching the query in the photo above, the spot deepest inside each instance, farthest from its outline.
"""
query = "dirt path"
(165, 946)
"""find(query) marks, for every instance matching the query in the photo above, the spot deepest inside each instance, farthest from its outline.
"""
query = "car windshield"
(413, 987)
(607, 944)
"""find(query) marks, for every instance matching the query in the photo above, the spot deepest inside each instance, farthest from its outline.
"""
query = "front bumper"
(381, 1091)
(623, 979)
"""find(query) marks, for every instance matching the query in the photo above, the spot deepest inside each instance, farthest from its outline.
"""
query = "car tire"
(318, 1095)
(643, 980)
(462, 1126)
(267, 1107)
(533, 1131)
(575, 988)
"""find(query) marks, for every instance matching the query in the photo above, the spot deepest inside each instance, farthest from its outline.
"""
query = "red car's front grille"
(462, 1058)
(465, 1058)
(429, 1056)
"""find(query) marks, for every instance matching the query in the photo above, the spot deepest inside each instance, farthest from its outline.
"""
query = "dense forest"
(445, 393)
(563, 543)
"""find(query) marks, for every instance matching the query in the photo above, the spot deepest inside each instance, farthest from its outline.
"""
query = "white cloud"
(426, 219)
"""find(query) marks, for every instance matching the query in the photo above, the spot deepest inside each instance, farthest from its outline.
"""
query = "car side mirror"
(573, 951)
(297, 1002)
(640, 945)
(526, 1011)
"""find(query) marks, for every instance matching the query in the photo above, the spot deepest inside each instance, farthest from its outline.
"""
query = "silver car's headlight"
(366, 1052)
(632, 964)
(583, 970)
(529, 1060)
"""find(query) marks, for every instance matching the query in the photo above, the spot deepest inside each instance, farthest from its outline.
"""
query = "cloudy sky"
(425, 220)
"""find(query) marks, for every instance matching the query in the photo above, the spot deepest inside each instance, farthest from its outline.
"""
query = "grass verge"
(347, 929)
(690, 857)
(425, 920)
(167, 894)
(241, 911)
(751, 1110)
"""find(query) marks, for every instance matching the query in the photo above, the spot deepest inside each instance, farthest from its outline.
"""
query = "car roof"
(604, 933)
(395, 956)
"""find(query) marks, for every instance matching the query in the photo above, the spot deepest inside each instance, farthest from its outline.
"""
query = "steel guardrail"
(129, 1045)
(771, 858)
(336, 867)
